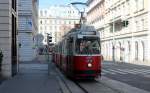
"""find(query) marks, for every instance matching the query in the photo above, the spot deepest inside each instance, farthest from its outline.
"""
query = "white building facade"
(124, 29)
(56, 20)
(8, 37)
(28, 28)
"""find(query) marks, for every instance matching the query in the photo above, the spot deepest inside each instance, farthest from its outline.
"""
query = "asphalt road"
(134, 75)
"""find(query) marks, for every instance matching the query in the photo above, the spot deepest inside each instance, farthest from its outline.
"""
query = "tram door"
(70, 48)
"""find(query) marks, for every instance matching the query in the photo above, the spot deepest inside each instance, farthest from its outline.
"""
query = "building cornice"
(126, 35)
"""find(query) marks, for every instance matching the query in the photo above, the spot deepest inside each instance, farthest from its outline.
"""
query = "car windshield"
(87, 46)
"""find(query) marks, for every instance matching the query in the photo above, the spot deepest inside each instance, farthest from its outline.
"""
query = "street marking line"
(140, 71)
(123, 71)
(130, 71)
(107, 71)
(118, 71)
(145, 71)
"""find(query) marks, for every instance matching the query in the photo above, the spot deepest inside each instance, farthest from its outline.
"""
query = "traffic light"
(125, 23)
(49, 38)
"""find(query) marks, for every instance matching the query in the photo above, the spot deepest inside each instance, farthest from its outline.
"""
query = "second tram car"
(78, 54)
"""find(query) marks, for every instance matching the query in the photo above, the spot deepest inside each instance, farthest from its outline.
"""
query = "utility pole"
(49, 41)
(82, 18)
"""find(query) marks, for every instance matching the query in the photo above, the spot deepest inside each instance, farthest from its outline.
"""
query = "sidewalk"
(32, 78)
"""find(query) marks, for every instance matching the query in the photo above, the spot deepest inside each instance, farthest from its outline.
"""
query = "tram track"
(94, 86)
(82, 86)
(67, 85)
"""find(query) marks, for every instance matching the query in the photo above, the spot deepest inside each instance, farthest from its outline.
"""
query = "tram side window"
(70, 47)
(65, 48)
(61, 48)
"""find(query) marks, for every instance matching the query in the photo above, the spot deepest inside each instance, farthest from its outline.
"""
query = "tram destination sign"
(88, 33)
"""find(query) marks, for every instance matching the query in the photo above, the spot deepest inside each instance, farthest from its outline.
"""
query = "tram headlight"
(89, 65)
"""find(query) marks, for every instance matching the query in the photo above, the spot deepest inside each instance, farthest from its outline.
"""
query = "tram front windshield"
(87, 46)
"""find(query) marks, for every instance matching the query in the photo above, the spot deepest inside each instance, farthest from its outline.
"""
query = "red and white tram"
(78, 54)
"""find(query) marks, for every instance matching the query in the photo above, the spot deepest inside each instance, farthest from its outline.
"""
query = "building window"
(142, 21)
(121, 51)
(74, 22)
(129, 46)
(45, 28)
(123, 8)
(128, 7)
(137, 25)
(65, 22)
(55, 28)
(143, 46)
(41, 22)
(50, 28)
(69, 22)
(50, 22)
(136, 5)
(45, 12)
(45, 21)
(40, 27)
(41, 13)
(55, 21)
(140, 4)
(60, 22)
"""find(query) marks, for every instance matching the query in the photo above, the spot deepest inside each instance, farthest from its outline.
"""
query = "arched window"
(136, 50)
(107, 50)
(41, 13)
(129, 48)
(113, 51)
(120, 49)
(143, 47)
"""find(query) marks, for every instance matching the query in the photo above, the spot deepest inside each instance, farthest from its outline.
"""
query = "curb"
(63, 87)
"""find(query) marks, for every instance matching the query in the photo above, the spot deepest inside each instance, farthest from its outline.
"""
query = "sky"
(47, 3)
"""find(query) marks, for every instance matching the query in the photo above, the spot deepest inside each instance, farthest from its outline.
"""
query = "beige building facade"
(124, 29)
(8, 33)
(57, 20)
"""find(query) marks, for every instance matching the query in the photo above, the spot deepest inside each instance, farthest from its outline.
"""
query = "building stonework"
(124, 29)
(56, 21)
(28, 28)
(8, 44)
